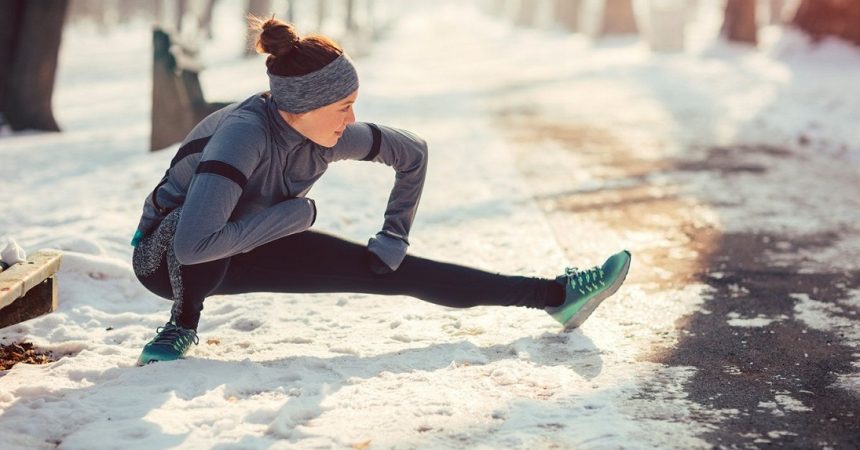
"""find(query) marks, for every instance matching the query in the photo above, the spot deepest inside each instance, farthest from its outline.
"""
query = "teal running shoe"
(170, 342)
(585, 289)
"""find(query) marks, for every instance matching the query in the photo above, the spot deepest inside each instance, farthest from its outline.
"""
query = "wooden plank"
(20, 278)
(41, 299)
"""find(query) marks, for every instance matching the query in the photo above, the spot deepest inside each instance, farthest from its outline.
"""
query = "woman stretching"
(230, 215)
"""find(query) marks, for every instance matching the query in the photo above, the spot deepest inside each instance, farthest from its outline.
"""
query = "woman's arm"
(407, 154)
(205, 232)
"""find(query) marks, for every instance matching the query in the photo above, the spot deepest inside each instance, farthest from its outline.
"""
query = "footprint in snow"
(245, 324)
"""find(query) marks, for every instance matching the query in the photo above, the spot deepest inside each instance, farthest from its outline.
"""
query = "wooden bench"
(177, 97)
(29, 289)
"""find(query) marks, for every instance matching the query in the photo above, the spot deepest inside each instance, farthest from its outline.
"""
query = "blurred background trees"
(31, 30)
(258, 8)
(840, 18)
(742, 19)
(739, 21)
(618, 18)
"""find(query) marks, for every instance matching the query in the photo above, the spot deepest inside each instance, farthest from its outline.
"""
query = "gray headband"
(303, 93)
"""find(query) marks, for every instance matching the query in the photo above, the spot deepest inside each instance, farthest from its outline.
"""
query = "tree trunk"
(258, 8)
(10, 21)
(206, 18)
(527, 13)
(322, 12)
(160, 13)
(840, 18)
(739, 23)
(181, 10)
(567, 13)
(30, 34)
(775, 8)
(291, 11)
(350, 15)
(618, 18)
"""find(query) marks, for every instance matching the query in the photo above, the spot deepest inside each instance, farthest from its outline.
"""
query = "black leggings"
(311, 262)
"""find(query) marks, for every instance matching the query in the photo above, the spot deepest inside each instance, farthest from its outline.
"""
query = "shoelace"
(585, 280)
(171, 335)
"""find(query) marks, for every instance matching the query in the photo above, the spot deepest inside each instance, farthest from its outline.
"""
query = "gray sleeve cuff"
(390, 250)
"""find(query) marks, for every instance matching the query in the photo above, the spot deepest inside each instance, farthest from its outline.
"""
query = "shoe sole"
(581, 315)
(152, 361)
(139, 364)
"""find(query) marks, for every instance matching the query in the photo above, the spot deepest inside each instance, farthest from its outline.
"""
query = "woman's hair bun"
(276, 38)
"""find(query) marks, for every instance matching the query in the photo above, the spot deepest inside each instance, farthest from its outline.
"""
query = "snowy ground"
(528, 130)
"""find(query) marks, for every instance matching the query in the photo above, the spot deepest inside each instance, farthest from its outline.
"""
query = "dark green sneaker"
(585, 289)
(170, 342)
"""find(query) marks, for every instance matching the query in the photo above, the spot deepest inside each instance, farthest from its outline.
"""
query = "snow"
(10, 251)
(337, 370)
(784, 402)
(736, 320)
(827, 316)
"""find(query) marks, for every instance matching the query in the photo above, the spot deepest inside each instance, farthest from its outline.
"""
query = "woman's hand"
(388, 252)
(377, 266)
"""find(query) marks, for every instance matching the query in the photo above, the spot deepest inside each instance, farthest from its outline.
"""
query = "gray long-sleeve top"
(242, 173)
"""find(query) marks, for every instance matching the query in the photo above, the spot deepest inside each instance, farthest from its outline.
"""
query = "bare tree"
(618, 18)
(775, 8)
(181, 11)
(567, 13)
(840, 18)
(322, 13)
(351, 24)
(257, 8)
(205, 19)
(30, 34)
(130, 9)
(527, 14)
(291, 11)
(739, 23)
(93, 10)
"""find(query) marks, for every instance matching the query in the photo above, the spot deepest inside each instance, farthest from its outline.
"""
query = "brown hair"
(289, 53)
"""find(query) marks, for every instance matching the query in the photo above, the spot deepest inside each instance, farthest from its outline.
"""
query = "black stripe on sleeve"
(195, 146)
(314, 206)
(223, 169)
(377, 141)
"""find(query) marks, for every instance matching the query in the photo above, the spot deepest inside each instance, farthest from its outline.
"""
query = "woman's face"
(324, 125)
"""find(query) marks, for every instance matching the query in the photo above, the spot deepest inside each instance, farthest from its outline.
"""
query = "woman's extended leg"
(311, 262)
